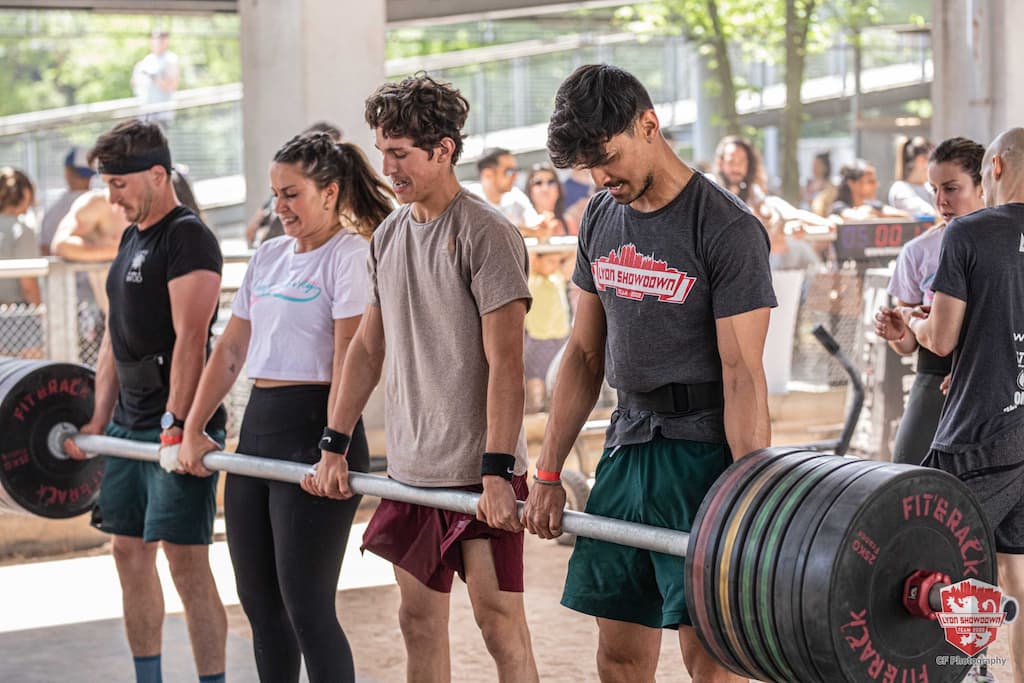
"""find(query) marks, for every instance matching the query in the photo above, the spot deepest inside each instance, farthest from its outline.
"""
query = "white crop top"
(292, 301)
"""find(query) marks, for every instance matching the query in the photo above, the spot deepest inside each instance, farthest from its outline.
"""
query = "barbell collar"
(642, 536)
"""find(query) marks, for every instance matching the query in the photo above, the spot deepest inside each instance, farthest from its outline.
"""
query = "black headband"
(138, 162)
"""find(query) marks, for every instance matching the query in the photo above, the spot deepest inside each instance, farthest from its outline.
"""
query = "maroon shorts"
(424, 541)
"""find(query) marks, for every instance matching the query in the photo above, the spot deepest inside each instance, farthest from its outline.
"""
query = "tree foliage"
(733, 33)
(60, 58)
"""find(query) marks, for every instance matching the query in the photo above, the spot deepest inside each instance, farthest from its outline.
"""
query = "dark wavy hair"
(593, 105)
(14, 185)
(420, 108)
(848, 174)
(755, 169)
(965, 153)
(127, 139)
(363, 198)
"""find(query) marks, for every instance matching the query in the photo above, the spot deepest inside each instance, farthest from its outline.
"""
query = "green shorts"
(141, 499)
(660, 483)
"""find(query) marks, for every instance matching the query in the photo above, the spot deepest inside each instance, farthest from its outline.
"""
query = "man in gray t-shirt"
(978, 316)
(675, 295)
(448, 302)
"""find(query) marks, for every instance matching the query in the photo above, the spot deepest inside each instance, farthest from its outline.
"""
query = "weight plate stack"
(701, 568)
(34, 397)
(882, 528)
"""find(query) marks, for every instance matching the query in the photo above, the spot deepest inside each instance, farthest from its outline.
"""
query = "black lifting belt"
(152, 372)
(675, 398)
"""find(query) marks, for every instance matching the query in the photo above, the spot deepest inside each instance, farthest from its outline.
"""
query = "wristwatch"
(169, 421)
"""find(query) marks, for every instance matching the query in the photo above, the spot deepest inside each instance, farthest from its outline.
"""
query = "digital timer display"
(876, 239)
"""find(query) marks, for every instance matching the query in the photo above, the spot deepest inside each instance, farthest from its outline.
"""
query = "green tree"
(61, 58)
(777, 31)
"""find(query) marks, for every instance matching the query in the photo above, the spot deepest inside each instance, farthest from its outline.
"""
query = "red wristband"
(166, 440)
(902, 336)
(548, 475)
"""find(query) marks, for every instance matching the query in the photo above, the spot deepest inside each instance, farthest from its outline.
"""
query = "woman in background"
(954, 171)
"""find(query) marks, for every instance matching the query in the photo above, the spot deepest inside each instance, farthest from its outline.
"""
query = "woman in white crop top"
(299, 305)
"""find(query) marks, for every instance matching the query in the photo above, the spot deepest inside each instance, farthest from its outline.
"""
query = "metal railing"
(510, 88)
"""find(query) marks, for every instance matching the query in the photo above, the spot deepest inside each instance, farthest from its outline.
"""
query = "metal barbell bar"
(592, 526)
(794, 566)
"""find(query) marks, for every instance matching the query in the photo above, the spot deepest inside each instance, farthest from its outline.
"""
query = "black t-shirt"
(140, 322)
(664, 278)
(982, 264)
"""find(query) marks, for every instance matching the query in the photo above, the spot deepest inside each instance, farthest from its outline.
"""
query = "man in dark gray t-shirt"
(978, 315)
(675, 295)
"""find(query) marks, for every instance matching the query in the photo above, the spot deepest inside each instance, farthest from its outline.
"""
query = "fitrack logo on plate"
(971, 613)
(634, 276)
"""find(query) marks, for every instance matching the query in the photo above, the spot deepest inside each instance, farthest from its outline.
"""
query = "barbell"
(800, 566)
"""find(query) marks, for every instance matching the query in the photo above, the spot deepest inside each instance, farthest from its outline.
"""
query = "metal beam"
(399, 12)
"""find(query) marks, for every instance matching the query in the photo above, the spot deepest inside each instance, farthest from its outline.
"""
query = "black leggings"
(287, 545)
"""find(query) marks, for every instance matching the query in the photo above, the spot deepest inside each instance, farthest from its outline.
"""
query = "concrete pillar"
(975, 47)
(305, 61)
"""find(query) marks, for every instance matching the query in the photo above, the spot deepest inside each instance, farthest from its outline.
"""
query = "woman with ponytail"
(299, 305)
(910, 192)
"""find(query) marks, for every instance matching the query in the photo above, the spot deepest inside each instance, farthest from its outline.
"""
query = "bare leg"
(699, 662)
(142, 597)
(423, 617)
(500, 615)
(1011, 579)
(626, 652)
(204, 612)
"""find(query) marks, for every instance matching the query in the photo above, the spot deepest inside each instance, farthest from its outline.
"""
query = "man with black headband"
(676, 290)
(163, 287)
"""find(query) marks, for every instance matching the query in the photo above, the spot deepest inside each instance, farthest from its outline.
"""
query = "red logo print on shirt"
(634, 276)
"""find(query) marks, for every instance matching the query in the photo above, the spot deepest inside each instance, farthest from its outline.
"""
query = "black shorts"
(995, 475)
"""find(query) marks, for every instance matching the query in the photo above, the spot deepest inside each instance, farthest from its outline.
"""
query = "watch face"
(167, 421)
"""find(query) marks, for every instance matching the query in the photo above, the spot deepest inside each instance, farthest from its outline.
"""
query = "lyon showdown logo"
(971, 613)
(634, 276)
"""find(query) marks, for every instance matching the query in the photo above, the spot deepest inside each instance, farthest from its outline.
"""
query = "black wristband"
(499, 464)
(334, 442)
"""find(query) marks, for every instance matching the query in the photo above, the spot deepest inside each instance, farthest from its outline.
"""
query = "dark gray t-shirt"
(982, 263)
(664, 278)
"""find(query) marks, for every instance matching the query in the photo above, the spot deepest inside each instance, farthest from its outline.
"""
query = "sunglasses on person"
(538, 182)
(510, 171)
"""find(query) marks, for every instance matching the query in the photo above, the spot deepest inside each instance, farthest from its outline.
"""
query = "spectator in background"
(17, 239)
(77, 175)
(20, 329)
(156, 76)
(265, 224)
(857, 197)
(911, 192)
(955, 173)
(90, 232)
(547, 196)
(547, 325)
(738, 169)
(819, 191)
(498, 172)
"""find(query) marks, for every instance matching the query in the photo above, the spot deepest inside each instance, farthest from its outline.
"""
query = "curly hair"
(14, 186)
(363, 198)
(420, 108)
(965, 153)
(593, 105)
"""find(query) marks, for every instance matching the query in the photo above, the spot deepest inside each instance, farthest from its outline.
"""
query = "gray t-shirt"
(664, 278)
(982, 263)
(17, 240)
(433, 282)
